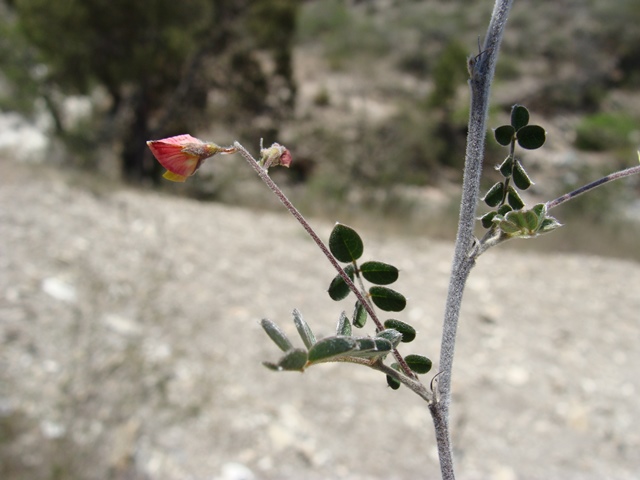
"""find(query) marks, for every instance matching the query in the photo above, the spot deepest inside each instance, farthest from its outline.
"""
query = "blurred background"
(371, 98)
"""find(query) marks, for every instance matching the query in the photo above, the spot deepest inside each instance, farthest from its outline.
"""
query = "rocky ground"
(130, 349)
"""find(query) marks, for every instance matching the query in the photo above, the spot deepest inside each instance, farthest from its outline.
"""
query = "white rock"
(59, 289)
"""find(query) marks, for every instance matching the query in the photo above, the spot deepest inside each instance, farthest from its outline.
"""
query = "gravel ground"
(130, 349)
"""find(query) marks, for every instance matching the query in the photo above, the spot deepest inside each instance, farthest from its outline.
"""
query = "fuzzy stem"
(609, 178)
(481, 71)
(264, 176)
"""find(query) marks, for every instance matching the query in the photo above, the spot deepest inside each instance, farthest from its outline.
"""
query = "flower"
(275, 155)
(182, 155)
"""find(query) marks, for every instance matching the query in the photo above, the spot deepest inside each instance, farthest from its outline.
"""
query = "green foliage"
(112, 41)
(495, 195)
(387, 299)
(345, 35)
(20, 70)
(418, 363)
(407, 331)
(509, 217)
(293, 360)
(520, 177)
(504, 134)
(332, 347)
(531, 137)
(155, 62)
(344, 326)
(394, 336)
(393, 383)
(347, 246)
(277, 335)
(338, 289)
(359, 315)
(606, 131)
(519, 117)
(304, 330)
(379, 273)
(323, 19)
(449, 73)
(345, 243)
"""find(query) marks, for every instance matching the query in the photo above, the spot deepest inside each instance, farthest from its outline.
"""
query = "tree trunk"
(138, 165)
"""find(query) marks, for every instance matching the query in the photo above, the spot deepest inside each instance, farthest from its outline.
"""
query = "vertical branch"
(481, 69)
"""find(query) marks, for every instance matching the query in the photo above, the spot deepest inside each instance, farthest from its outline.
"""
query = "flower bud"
(182, 155)
(275, 155)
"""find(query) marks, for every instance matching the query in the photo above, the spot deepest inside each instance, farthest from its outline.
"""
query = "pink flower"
(182, 155)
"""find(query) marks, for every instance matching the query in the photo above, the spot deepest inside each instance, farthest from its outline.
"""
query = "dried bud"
(275, 155)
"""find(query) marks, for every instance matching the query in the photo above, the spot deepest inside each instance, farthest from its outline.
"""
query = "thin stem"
(481, 70)
(410, 382)
(494, 237)
(362, 288)
(264, 176)
(609, 178)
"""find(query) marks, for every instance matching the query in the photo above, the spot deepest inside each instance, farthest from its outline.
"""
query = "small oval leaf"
(331, 347)
(531, 137)
(495, 195)
(487, 219)
(520, 177)
(519, 116)
(277, 335)
(504, 134)
(338, 289)
(407, 331)
(387, 299)
(344, 326)
(359, 315)
(514, 199)
(379, 273)
(509, 228)
(293, 360)
(517, 219)
(345, 243)
(504, 209)
(393, 383)
(272, 366)
(418, 363)
(530, 221)
(540, 210)
(549, 224)
(303, 329)
(506, 167)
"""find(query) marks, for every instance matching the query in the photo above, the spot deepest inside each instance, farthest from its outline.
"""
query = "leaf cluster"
(509, 216)
(347, 247)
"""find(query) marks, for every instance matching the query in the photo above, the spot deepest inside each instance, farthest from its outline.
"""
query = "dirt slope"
(130, 349)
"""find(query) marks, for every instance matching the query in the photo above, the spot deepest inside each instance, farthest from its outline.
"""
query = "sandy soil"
(130, 349)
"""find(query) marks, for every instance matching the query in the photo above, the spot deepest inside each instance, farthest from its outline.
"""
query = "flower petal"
(181, 140)
(182, 155)
(174, 177)
(172, 157)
